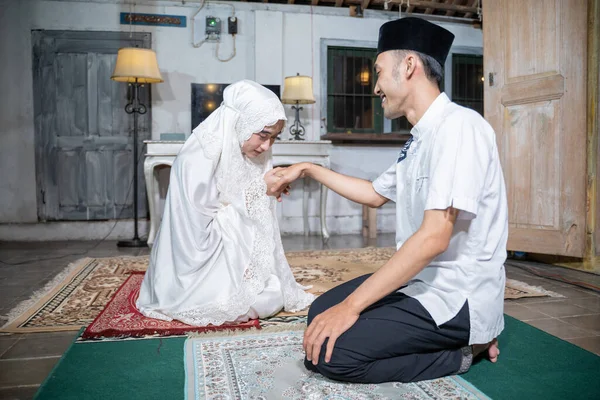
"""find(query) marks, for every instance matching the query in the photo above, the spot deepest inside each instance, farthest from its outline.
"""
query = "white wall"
(272, 43)
(17, 162)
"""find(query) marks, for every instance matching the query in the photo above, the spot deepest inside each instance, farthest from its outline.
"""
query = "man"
(438, 302)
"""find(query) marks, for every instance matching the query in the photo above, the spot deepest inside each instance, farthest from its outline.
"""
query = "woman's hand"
(272, 179)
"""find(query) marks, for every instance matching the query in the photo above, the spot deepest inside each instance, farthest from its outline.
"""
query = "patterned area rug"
(78, 295)
(121, 318)
(279, 320)
(517, 290)
(269, 366)
(75, 297)
(325, 269)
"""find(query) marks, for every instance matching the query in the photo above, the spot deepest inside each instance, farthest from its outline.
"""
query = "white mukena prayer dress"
(218, 256)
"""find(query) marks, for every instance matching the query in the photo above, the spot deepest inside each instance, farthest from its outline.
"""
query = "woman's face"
(261, 141)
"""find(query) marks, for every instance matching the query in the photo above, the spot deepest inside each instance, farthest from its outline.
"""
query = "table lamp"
(297, 90)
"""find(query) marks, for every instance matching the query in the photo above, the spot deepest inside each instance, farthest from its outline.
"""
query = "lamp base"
(132, 243)
(297, 130)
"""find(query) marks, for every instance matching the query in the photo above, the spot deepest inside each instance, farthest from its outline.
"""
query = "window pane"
(364, 110)
(338, 112)
(356, 71)
(338, 82)
(350, 90)
(401, 125)
(467, 83)
(365, 76)
(349, 117)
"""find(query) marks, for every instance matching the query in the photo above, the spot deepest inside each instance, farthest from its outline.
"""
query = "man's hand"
(285, 176)
(329, 324)
(271, 179)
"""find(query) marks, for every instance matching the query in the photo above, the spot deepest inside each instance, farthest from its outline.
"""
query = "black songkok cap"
(415, 34)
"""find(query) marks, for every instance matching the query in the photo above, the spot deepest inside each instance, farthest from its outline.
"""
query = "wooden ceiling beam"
(471, 3)
(439, 6)
(467, 10)
(450, 13)
(430, 10)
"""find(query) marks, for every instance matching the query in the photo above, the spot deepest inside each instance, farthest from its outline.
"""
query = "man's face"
(391, 84)
(261, 141)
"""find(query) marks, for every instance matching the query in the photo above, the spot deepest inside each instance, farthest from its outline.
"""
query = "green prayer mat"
(125, 369)
(536, 365)
(532, 365)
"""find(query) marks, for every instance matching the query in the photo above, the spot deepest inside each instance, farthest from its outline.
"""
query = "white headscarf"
(248, 108)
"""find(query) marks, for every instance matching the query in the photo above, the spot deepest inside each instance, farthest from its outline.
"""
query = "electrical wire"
(232, 8)
(312, 61)
(206, 38)
(130, 20)
(233, 38)
(197, 45)
(232, 54)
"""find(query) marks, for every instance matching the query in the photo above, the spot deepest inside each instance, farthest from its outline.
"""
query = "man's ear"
(411, 65)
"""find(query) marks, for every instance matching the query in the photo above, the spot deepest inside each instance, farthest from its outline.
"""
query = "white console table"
(285, 152)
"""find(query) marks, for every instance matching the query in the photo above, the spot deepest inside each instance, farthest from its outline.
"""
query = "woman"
(218, 256)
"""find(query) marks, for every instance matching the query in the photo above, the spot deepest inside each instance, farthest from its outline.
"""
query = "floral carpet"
(269, 365)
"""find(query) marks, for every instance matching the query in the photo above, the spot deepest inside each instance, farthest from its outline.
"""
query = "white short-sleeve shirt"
(452, 160)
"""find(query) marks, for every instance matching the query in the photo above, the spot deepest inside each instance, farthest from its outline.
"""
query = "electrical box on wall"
(232, 25)
(213, 27)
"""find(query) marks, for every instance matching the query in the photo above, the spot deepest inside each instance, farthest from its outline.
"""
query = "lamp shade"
(298, 89)
(136, 65)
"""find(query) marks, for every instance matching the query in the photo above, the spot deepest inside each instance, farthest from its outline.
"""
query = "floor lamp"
(137, 67)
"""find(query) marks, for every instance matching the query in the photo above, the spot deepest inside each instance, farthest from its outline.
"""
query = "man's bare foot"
(492, 350)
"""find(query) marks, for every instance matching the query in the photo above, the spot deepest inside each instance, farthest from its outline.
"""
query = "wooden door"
(84, 137)
(535, 99)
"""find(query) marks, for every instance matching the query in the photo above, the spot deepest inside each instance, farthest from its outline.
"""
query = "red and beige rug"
(120, 318)
(77, 297)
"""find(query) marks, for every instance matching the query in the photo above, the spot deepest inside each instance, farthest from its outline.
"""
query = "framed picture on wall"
(206, 97)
